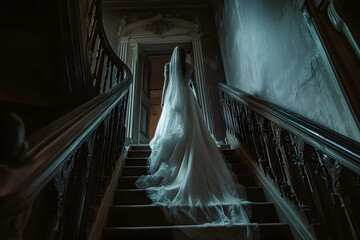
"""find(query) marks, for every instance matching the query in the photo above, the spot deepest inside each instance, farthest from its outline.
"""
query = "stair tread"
(138, 196)
(267, 231)
(155, 206)
(194, 225)
(152, 215)
(133, 216)
(135, 166)
(143, 190)
(241, 175)
(140, 147)
(137, 170)
(128, 182)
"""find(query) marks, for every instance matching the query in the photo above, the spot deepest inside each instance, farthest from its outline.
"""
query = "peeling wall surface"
(111, 25)
(268, 51)
(214, 72)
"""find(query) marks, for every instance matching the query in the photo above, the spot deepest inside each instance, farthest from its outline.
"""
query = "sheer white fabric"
(187, 174)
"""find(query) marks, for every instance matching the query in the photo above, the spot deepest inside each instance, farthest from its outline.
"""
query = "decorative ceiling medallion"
(159, 26)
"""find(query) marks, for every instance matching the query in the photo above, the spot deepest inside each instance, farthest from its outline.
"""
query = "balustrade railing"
(107, 69)
(315, 169)
(55, 190)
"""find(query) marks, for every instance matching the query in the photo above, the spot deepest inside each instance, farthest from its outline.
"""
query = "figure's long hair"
(175, 89)
(182, 61)
(179, 56)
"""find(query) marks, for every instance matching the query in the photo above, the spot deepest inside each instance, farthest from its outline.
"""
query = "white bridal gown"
(187, 175)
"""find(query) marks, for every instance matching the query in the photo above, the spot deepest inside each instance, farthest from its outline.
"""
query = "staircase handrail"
(342, 148)
(314, 169)
(52, 149)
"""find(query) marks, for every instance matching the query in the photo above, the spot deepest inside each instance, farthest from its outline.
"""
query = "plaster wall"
(268, 51)
(111, 20)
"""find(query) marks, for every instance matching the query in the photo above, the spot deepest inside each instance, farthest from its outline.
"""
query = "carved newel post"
(13, 148)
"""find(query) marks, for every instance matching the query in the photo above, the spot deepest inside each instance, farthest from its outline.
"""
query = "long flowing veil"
(187, 175)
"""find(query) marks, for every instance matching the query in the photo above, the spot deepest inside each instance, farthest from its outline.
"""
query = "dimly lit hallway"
(278, 82)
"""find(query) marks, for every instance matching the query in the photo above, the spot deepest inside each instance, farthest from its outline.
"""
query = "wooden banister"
(314, 168)
(69, 162)
(340, 147)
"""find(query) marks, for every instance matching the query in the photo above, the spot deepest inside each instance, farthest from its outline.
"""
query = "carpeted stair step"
(132, 215)
(239, 168)
(128, 182)
(139, 197)
(134, 170)
(131, 197)
(233, 159)
(266, 231)
(142, 170)
(139, 147)
(138, 153)
(228, 152)
(136, 162)
(255, 194)
(151, 215)
(225, 146)
(247, 180)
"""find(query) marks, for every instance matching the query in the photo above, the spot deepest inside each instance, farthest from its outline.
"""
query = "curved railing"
(57, 189)
(314, 168)
(107, 69)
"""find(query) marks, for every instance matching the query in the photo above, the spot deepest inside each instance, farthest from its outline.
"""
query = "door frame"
(129, 53)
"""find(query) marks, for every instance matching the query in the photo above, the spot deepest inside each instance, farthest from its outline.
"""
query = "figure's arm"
(166, 80)
(194, 86)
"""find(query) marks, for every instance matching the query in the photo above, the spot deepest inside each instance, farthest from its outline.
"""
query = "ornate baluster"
(284, 185)
(111, 75)
(225, 110)
(267, 140)
(349, 189)
(122, 120)
(249, 128)
(95, 71)
(61, 181)
(312, 178)
(288, 153)
(257, 138)
(243, 135)
(93, 36)
(106, 74)
(264, 163)
(304, 196)
(105, 155)
(118, 75)
(83, 188)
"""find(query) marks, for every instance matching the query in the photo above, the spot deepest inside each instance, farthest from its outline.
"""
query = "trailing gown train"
(187, 175)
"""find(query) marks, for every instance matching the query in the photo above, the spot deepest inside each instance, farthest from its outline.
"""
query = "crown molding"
(153, 4)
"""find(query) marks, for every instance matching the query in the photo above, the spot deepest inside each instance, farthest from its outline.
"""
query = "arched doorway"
(159, 34)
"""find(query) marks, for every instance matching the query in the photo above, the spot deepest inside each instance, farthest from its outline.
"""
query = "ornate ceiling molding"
(158, 25)
(151, 4)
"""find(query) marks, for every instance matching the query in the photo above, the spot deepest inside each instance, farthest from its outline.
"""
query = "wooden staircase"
(133, 217)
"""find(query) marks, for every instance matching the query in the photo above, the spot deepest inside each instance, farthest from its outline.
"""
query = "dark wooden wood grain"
(345, 61)
(315, 168)
(55, 192)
